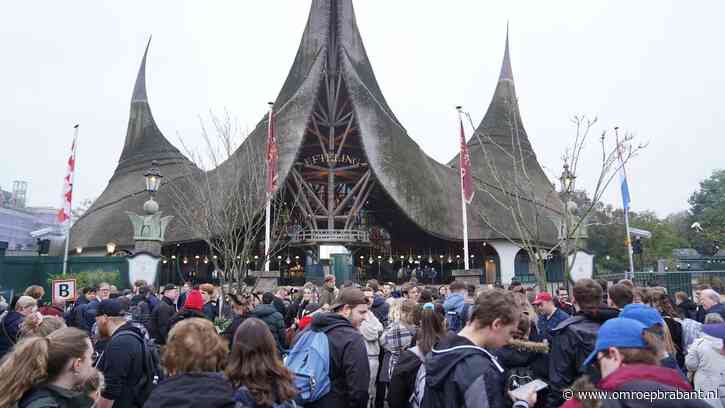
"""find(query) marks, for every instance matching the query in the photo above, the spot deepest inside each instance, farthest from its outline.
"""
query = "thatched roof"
(425, 190)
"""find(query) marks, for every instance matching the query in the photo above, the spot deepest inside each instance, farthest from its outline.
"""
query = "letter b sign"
(64, 289)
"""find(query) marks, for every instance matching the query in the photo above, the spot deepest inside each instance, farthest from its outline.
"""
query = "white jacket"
(705, 359)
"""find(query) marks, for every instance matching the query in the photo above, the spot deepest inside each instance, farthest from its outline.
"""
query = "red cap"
(194, 301)
(542, 297)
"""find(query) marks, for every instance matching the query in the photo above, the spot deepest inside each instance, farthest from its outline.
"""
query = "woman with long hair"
(256, 370)
(46, 371)
(402, 382)
(241, 307)
(672, 318)
(194, 357)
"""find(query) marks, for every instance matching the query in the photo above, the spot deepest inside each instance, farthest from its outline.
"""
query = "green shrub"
(90, 278)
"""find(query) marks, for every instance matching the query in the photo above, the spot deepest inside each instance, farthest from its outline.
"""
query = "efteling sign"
(331, 158)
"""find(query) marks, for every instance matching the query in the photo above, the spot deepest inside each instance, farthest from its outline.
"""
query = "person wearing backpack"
(407, 384)
(456, 308)
(329, 360)
(194, 357)
(126, 362)
(461, 372)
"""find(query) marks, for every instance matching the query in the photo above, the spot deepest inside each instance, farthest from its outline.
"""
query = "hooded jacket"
(274, 320)
(372, 329)
(402, 382)
(462, 375)
(349, 368)
(122, 366)
(45, 396)
(381, 309)
(636, 377)
(572, 341)
(704, 358)
(193, 390)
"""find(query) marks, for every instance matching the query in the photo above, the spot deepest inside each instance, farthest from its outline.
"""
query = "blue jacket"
(9, 332)
(86, 315)
(546, 325)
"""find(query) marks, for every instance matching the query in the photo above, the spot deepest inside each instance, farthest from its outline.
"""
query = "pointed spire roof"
(503, 116)
(144, 141)
(506, 72)
(139, 90)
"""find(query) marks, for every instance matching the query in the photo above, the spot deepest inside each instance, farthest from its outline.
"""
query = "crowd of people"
(381, 345)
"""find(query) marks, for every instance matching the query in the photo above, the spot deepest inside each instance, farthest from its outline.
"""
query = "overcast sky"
(654, 68)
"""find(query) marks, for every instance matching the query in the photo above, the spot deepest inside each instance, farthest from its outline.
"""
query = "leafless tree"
(532, 207)
(222, 200)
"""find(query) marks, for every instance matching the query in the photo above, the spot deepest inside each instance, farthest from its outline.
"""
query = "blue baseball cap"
(619, 332)
(647, 315)
(714, 330)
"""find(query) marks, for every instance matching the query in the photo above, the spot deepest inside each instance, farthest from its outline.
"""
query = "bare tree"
(534, 208)
(222, 199)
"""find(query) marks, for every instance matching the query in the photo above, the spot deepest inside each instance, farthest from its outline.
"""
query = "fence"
(684, 281)
(19, 272)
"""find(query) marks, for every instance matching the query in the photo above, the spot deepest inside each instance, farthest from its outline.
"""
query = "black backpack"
(152, 373)
(456, 321)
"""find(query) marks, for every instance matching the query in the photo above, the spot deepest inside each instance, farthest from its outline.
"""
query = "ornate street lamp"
(567, 179)
(153, 178)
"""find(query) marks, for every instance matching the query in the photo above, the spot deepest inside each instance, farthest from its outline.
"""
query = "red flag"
(64, 214)
(272, 156)
(465, 166)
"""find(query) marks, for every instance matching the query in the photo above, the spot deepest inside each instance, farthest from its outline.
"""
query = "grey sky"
(654, 68)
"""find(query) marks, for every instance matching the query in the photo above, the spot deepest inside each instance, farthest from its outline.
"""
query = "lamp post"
(148, 230)
(110, 248)
(566, 179)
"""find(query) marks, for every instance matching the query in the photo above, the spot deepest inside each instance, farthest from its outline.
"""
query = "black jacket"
(50, 396)
(86, 315)
(381, 309)
(211, 310)
(687, 309)
(402, 382)
(192, 390)
(231, 330)
(525, 359)
(349, 367)
(462, 375)
(9, 331)
(160, 322)
(274, 320)
(572, 342)
(184, 314)
(122, 366)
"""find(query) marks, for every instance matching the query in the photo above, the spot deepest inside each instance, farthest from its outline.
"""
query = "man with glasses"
(10, 322)
(87, 313)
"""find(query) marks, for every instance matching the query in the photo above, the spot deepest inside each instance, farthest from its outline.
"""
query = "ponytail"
(24, 367)
(432, 328)
(39, 359)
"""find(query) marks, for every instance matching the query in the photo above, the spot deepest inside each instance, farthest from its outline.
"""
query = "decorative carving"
(149, 227)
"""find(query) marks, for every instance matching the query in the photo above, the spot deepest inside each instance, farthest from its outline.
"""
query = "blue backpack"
(457, 320)
(309, 361)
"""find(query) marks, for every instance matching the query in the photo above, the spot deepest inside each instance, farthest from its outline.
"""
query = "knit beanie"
(194, 301)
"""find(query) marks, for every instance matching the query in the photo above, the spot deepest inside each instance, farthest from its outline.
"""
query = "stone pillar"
(149, 229)
(506, 257)
(266, 281)
(469, 276)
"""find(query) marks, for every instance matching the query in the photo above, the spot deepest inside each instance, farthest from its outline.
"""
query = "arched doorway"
(490, 265)
(522, 266)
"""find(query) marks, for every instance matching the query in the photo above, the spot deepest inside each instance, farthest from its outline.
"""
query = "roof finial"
(506, 72)
(139, 90)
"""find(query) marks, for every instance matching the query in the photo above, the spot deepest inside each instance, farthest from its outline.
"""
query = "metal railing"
(333, 236)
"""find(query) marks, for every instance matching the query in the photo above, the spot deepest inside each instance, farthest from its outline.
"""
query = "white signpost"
(64, 289)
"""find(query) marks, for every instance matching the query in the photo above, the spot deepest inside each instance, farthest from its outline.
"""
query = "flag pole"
(70, 220)
(463, 203)
(626, 207)
(268, 206)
